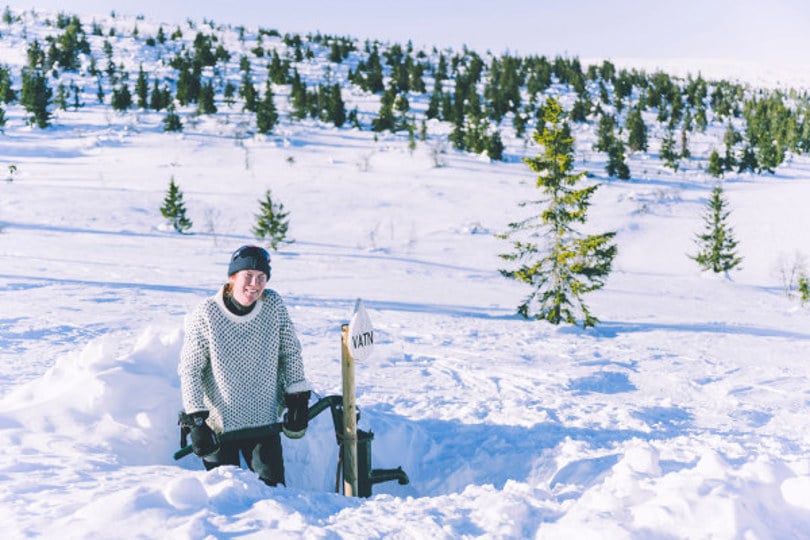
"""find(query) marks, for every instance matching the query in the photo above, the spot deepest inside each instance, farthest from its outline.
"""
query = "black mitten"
(296, 418)
(203, 440)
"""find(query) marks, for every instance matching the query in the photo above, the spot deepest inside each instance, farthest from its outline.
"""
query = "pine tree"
(558, 262)
(174, 209)
(271, 222)
(716, 245)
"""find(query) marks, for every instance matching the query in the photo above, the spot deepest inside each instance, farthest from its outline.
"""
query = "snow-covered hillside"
(683, 414)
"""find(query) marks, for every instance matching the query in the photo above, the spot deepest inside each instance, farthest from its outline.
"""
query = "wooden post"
(349, 417)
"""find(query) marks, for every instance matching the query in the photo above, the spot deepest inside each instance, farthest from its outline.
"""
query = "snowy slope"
(682, 415)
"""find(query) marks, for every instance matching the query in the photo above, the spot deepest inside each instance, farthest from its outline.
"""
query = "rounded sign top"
(361, 333)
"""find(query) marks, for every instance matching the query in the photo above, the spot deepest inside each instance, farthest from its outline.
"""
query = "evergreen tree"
(558, 262)
(159, 99)
(266, 114)
(716, 167)
(121, 98)
(337, 107)
(7, 94)
(206, 104)
(228, 93)
(604, 133)
(730, 139)
(99, 91)
(36, 97)
(277, 69)
(61, 97)
(142, 89)
(174, 210)
(495, 146)
(299, 97)
(385, 118)
(716, 245)
(581, 108)
(189, 82)
(434, 105)
(636, 131)
(248, 93)
(685, 153)
(667, 152)
(748, 160)
(617, 166)
(172, 120)
(271, 222)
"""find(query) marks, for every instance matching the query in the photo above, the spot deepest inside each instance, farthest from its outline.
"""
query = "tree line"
(478, 96)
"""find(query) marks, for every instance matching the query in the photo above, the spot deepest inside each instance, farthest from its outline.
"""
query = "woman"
(240, 364)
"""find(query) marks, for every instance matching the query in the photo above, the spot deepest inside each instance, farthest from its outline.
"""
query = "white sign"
(361, 333)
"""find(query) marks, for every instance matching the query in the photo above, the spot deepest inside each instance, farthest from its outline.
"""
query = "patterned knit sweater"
(239, 367)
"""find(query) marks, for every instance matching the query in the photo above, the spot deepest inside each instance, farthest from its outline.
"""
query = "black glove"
(297, 416)
(203, 440)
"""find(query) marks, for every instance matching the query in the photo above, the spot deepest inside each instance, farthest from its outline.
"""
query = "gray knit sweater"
(239, 367)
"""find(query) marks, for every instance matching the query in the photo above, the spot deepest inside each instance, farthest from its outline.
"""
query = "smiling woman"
(240, 364)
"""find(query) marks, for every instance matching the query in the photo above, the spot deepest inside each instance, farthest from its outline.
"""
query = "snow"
(683, 414)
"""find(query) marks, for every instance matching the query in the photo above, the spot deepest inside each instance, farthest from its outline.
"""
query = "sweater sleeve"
(291, 364)
(194, 359)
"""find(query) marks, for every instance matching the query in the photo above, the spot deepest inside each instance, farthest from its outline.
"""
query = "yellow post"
(349, 417)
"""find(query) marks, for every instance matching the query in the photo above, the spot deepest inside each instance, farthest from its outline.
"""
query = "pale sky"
(758, 31)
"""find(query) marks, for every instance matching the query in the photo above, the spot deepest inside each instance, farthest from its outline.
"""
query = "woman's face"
(248, 285)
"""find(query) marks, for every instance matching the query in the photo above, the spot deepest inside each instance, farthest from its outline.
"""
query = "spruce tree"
(716, 167)
(121, 98)
(716, 245)
(142, 89)
(667, 152)
(271, 222)
(560, 263)
(337, 107)
(174, 209)
(248, 93)
(604, 133)
(385, 119)
(172, 122)
(206, 103)
(36, 97)
(636, 131)
(7, 93)
(616, 165)
(266, 114)
(730, 139)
